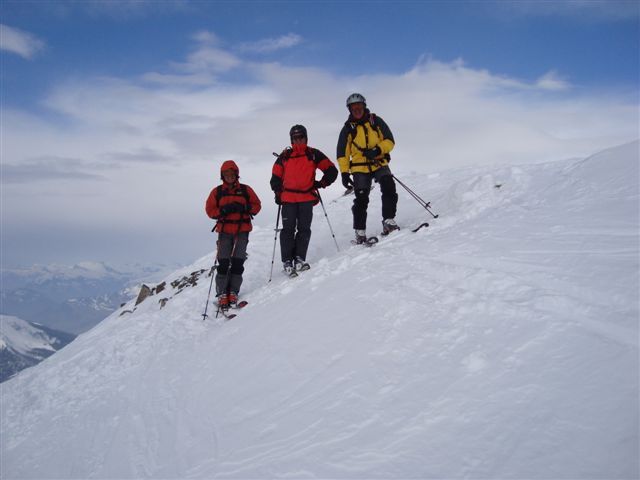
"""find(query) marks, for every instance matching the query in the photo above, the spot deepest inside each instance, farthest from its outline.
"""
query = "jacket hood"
(229, 165)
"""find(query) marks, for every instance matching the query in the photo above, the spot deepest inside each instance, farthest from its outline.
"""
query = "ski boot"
(301, 265)
(233, 299)
(223, 301)
(389, 225)
(289, 269)
(361, 237)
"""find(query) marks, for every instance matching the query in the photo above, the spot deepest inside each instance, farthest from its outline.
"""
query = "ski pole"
(327, 217)
(275, 239)
(212, 274)
(417, 198)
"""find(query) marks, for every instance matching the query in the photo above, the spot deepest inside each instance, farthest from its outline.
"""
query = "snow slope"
(500, 342)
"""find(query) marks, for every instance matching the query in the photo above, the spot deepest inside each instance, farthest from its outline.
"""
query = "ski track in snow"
(499, 342)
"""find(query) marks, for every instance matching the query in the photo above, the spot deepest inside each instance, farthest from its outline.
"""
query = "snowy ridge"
(500, 342)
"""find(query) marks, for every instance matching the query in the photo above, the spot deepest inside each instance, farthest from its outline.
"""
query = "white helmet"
(355, 98)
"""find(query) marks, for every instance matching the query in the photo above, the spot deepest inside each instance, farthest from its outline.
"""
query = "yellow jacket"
(356, 137)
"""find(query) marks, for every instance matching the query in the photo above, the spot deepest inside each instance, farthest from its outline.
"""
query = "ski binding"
(369, 242)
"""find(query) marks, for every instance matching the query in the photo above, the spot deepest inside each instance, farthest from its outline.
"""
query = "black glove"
(276, 183)
(372, 153)
(318, 184)
(278, 201)
(234, 207)
(346, 180)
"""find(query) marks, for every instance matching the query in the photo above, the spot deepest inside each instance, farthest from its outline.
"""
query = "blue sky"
(106, 103)
(589, 43)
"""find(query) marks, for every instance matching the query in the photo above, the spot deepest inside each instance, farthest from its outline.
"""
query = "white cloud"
(203, 65)
(19, 42)
(552, 81)
(206, 37)
(268, 45)
(211, 59)
(168, 137)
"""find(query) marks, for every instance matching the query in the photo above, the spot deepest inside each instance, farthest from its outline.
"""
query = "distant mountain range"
(71, 298)
(24, 344)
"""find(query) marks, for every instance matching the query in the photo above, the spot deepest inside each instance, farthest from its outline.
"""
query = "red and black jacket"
(235, 192)
(294, 173)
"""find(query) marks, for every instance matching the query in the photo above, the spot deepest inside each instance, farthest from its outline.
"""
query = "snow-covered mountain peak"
(499, 342)
(23, 344)
(22, 336)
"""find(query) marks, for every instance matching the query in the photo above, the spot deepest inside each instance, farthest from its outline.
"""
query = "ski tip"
(425, 224)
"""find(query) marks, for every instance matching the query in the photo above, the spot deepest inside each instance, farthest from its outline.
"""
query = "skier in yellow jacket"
(363, 151)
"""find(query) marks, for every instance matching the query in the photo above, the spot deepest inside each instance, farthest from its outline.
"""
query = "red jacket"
(226, 194)
(294, 173)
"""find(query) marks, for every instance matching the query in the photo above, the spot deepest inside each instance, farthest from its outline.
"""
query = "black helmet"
(356, 98)
(297, 130)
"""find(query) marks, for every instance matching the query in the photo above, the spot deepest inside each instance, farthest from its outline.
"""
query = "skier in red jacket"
(293, 181)
(232, 204)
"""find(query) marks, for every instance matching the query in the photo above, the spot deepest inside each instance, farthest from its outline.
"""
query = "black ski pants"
(231, 268)
(296, 230)
(362, 187)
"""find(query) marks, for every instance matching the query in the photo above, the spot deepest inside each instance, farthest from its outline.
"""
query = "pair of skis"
(225, 311)
(371, 241)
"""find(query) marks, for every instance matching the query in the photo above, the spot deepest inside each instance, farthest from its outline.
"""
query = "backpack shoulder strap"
(351, 128)
(311, 154)
(285, 155)
(245, 192)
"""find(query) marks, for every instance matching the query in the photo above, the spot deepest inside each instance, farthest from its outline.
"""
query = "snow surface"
(500, 342)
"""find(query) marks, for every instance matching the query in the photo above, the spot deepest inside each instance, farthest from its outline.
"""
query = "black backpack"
(243, 192)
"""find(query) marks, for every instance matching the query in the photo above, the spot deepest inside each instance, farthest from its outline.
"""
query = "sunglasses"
(298, 137)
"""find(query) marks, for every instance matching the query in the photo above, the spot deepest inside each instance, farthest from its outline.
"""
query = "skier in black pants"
(363, 151)
(293, 181)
